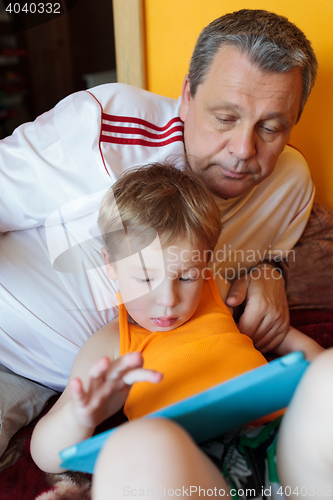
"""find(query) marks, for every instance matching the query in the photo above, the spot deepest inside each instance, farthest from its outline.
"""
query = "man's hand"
(266, 315)
(108, 387)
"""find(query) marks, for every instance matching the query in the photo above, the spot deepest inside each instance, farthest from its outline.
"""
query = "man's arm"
(50, 162)
(266, 315)
(273, 219)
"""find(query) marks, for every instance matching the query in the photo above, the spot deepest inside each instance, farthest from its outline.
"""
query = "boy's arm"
(298, 341)
(97, 388)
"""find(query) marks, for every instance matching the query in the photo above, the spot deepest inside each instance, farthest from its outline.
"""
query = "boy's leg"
(154, 458)
(21, 400)
(305, 443)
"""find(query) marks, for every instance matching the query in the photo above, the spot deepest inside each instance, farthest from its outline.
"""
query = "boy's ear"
(108, 264)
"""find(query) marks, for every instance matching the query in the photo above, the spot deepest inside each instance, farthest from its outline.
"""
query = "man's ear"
(110, 271)
(186, 97)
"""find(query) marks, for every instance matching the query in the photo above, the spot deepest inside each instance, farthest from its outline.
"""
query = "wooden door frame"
(129, 31)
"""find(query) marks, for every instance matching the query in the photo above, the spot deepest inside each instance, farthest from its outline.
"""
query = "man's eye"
(225, 121)
(269, 130)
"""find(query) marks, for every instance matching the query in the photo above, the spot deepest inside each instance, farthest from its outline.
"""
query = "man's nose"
(242, 143)
(167, 293)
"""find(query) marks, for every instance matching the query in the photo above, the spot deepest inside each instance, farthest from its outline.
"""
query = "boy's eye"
(143, 280)
(187, 279)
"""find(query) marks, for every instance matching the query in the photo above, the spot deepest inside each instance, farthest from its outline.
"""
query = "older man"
(250, 76)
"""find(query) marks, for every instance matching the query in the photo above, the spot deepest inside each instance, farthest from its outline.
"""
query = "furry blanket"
(21, 479)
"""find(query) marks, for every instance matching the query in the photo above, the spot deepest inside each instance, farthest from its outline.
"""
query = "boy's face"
(164, 293)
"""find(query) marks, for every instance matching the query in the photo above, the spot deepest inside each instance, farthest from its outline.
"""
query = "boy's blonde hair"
(174, 203)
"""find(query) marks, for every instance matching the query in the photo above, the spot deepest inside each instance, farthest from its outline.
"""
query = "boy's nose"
(167, 295)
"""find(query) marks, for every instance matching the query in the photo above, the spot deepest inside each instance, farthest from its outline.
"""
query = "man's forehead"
(230, 66)
(234, 83)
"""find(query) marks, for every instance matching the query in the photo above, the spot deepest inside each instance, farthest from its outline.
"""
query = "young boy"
(175, 336)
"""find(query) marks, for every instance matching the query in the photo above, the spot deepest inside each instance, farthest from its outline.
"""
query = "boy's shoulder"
(108, 338)
(104, 342)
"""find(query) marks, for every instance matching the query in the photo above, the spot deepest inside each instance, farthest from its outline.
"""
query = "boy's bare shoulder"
(104, 342)
(108, 336)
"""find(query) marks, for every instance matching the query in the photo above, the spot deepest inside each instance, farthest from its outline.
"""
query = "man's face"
(238, 123)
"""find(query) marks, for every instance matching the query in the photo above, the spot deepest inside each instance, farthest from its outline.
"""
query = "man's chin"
(227, 189)
(222, 185)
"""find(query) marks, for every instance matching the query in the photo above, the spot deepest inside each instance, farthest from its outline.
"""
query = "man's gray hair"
(270, 41)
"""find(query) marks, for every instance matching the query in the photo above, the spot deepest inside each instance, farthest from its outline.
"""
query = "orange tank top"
(204, 351)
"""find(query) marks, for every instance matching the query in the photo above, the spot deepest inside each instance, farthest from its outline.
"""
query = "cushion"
(20, 402)
(308, 269)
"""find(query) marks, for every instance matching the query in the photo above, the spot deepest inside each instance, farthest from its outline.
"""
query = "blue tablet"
(219, 409)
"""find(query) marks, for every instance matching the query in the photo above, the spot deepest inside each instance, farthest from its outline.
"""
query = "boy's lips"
(164, 321)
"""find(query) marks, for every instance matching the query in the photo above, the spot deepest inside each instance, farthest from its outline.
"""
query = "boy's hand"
(108, 387)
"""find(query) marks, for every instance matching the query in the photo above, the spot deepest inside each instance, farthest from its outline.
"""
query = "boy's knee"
(323, 362)
(157, 428)
(319, 376)
(148, 435)
(140, 452)
(146, 443)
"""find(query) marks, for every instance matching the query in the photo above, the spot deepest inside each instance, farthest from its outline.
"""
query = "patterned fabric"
(21, 479)
(246, 458)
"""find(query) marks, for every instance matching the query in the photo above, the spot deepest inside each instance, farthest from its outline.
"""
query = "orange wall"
(172, 27)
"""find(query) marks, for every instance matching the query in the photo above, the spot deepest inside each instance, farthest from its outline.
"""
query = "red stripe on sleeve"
(139, 121)
(140, 131)
(99, 142)
(140, 142)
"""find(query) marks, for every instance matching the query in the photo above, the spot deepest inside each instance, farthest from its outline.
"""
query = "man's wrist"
(267, 270)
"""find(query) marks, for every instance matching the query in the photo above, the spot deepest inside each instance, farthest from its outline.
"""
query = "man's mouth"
(164, 321)
(233, 175)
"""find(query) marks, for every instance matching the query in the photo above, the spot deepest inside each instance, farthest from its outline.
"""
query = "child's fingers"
(98, 374)
(100, 367)
(77, 390)
(123, 364)
(142, 375)
(76, 386)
